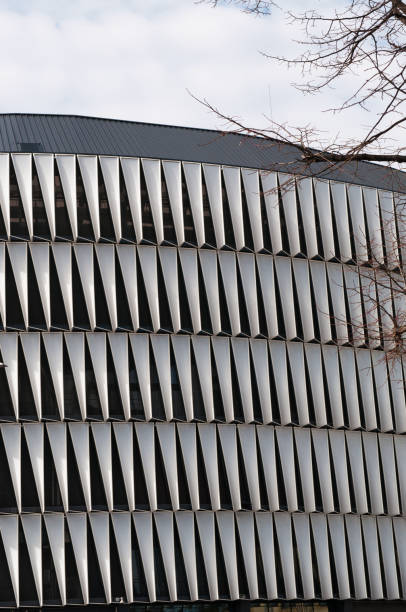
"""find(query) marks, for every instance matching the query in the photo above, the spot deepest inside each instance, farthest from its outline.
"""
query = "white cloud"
(135, 60)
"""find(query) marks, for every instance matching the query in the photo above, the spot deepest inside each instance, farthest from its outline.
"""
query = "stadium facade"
(195, 412)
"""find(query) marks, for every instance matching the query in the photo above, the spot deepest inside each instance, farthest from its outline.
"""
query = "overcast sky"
(136, 59)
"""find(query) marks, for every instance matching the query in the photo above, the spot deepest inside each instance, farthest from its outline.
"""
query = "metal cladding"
(195, 406)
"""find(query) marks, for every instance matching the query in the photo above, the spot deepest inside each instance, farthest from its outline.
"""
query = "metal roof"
(92, 135)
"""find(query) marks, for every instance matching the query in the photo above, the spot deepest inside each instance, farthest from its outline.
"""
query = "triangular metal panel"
(321, 451)
(347, 361)
(99, 522)
(58, 443)
(332, 370)
(221, 349)
(301, 527)
(246, 264)
(181, 349)
(201, 349)
(400, 450)
(128, 264)
(98, 354)
(228, 440)
(111, 176)
(34, 436)
(173, 179)
(399, 527)
(387, 453)
(76, 351)
(188, 445)
(208, 442)
(306, 204)
(9, 353)
(247, 437)
(119, 350)
(319, 283)
(67, 171)
(336, 285)
(79, 433)
(143, 529)
(63, 261)
(267, 279)
(266, 542)
(11, 435)
(302, 282)
(385, 531)
(389, 214)
(186, 530)
(283, 526)
(339, 198)
(188, 260)
(32, 532)
(5, 190)
(320, 538)
(89, 172)
(164, 526)
(266, 440)
(140, 351)
(152, 173)
(259, 352)
(246, 530)
(380, 371)
(208, 263)
(213, 183)
(168, 257)
(146, 443)
(160, 347)
(124, 438)
(357, 221)
(374, 224)
(370, 537)
(32, 355)
(252, 193)
(122, 532)
(397, 386)
(84, 258)
(232, 180)
(297, 368)
(339, 457)
(22, 163)
(241, 356)
(283, 269)
(3, 282)
(106, 259)
(322, 196)
(102, 439)
(167, 440)
(337, 535)
(225, 522)
(193, 175)
(284, 438)
(55, 527)
(40, 260)
(9, 536)
(18, 257)
(289, 204)
(44, 163)
(269, 182)
(78, 535)
(354, 446)
(131, 173)
(279, 365)
(364, 369)
(147, 257)
(353, 293)
(304, 456)
(205, 524)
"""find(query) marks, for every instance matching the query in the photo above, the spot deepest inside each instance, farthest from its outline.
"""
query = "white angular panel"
(160, 347)
(128, 264)
(9, 353)
(228, 440)
(11, 435)
(370, 302)
(246, 264)
(212, 179)
(302, 533)
(32, 355)
(102, 439)
(266, 440)
(84, 259)
(289, 204)
(221, 349)
(304, 455)
(380, 371)
(270, 190)
(32, 532)
(34, 436)
(22, 163)
(373, 223)
(284, 437)
(63, 261)
(355, 454)
(400, 450)
(173, 179)
(266, 541)
(131, 173)
(336, 284)
(246, 530)
(78, 536)
(232, 180)
(331, 367)
(319, 528)
(208, 263)
(284, 534)
(146, 444)
(306, 203)
(18, 258)
(143, 528)
(252, 193)
(119, 350)
(76, 351)
(353, 293)
(357, 220)
(321, 451)
(225, 522)
(364, 367)
(279, 365)
(228, 269)
(79, 433)
(40, 260)
(339, 196)
(389, 473)
(164, 525)
(3, 281)
(205, 524)
(88, 170)
(188, 445)
(259, 352)
(399, 526)
(147, 257)
(9, 536)
(44, 164)
(56, 535)
(106, 259)
(397, 385)
(314, 364)
(122, 531)
(58, 443)
(388, 213)
(372, 554)
(266, 275)
(283, 269)
(193, 175)
(152, 173)
(302, 281)
(181, 349)
(99, 522)
(339, 456)
(337, 534)
(124, 438)
(167, 441)
(67, 172)
(208, 442)
(140, 351)
(186, 530)
(5, 189)
(98, 354)
(188, 260)
(319, 282)
(111, 176)
(385, 531)
(168, 258)
(247, 437)
(241, 356)
(322, 193)
(347, 361)
(201, 349)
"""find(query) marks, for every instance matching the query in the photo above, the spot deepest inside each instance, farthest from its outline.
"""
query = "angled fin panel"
(122, 532)
(67, 171)
(188, 260)
(131, 172)
(213, 183)
(3, 283)
(172, 172)
(102, 439)
(208, 441)
(279, 365)
(339, 457)
(319, 282)
(119, 350)
(339, 197)
(320, 537)
(76, 351)
(355, 453)
(34, 436)
(245, 524)
(221, 349)
(228, 269)
(337, 535)
(372, 460)
(58, 443)
(193, 175)
(146, 444)
(22, 163)
(209, 267)
(283, 527)
(164, 526)
(18, 258)
(241, 355)
(247, 437)
(181, 349)
(168, 258)
(284, 438)
(140, 351)
(302, 534)
(152, 173)
(5, 189)
(304, 455)
(322, 453)
(201, 349)
(84, 258)
(283, 269)
(347, 361)
(289, 204)
(186, 530)
(228, 440)
(336, 285)
(259, 352)
(63, 261)
(128, 264)
(143, 529)
(267, 279)
(124, 438)
(205, 524)
(314, 364)
(88, 170)
(302, 282)
(40, 260)
(265, 528)
(11, 435)
(353, 527)
(9, 536)
(188, 445)
(225, 522)
(79, 433)
(32, 532)
(232, 180)
(44, 164)
(56, 535)
(358, 222)
(106, 259)
(78, 535)
(53, 343)
(306, 204)
(160, 347)
(111, 176)
(332, 370)
(99, 522)
(252, 193)
(98, 354)
(147, 257)
(246, 263)
(167, 440)
(297, 368)
(269, 182)
(322, 193)
(32, 355)
(9, 352)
